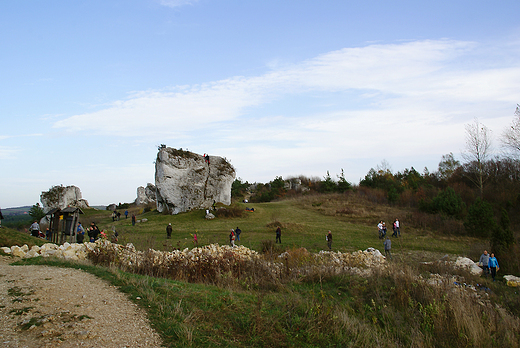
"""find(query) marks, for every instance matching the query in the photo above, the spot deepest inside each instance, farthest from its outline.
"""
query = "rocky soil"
(44, 306)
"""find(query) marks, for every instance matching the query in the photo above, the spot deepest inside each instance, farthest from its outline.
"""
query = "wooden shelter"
(63, 224)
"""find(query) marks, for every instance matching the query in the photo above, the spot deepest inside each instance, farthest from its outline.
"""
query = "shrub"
(480, 221)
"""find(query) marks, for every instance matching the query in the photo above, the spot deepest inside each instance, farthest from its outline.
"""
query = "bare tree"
(511, 136)
(477, 151)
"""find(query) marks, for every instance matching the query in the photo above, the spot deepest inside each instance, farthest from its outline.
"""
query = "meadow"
(408, 303)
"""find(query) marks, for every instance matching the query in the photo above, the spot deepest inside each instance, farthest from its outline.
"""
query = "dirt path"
(44, 306)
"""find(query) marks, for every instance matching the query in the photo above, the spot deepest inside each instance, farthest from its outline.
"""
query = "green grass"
(301, 227)
(10, 237)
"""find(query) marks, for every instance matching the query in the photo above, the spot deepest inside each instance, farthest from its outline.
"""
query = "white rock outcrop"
(145, 195)
(468, 264)
(185, 180)
(62, 197)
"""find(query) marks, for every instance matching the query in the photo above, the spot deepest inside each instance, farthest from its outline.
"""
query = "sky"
(90, 88)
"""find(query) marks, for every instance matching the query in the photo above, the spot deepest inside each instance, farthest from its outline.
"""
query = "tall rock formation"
(145, 195)
(185, 180)
(62, 197)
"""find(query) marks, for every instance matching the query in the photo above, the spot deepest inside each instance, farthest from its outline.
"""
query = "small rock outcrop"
(145, 195)
(185, 180)
(62, 197)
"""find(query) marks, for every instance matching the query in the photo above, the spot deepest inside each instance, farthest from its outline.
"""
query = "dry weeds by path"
(44, 306)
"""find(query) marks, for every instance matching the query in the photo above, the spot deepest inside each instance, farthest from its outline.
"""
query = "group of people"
(489, 264)
(381, 227)
(234, 235)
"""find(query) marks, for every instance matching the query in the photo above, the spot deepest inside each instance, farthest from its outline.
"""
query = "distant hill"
(16, 211)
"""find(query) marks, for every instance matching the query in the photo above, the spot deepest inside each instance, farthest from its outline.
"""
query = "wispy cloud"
(403, 99)
(176, 3)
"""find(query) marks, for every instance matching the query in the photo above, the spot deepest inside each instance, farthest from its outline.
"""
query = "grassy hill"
(411, 304)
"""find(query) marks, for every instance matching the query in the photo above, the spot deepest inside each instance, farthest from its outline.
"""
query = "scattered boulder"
(512, 280)
(185, 180)
(146, 195)
(468, 264)
(62, 197)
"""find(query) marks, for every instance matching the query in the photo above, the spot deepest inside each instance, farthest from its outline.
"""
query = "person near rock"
(237, 233)
(329, 240)
(93, 232)
(278, 235)
(169, 230)
(388, 245)
(35, 229)
(133, 219)
(48, 234)
(483, 262)
(206, 158)
(232, 238)
(493, 266)
(80, 233)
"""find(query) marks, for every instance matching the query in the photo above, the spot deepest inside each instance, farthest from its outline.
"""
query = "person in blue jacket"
(493, 265)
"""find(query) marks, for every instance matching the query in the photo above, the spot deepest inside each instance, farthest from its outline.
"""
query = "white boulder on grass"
(469, 265)
(185, 180)
(512, 280)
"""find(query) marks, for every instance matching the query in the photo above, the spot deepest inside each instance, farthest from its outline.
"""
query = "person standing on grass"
(126, 214)
(329, 240)
(388, 245)
(397, 228)
(133, 219)
(237, 233)
(169, 230)
(493, 266)
(93, 232)
(278, 235)
(232, 238)
(35, 229)
(483, 261)
(80, 233)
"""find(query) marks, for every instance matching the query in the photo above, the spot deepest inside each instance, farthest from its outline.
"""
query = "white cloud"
(378, 101)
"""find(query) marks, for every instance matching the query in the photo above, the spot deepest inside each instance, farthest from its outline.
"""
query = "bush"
(480, 221)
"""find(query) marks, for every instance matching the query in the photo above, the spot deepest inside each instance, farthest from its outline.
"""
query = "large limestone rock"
(145, 195)
(62, 197)
(185, 180)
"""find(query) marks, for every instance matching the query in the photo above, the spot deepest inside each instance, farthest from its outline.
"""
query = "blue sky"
(89, 89)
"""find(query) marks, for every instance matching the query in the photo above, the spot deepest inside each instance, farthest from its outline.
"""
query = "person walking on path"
(493, 266)
(388, 245)
(483, 261)
(237, 233)
(329, 240)
(35, 229)
(278, 235)
(169, 230)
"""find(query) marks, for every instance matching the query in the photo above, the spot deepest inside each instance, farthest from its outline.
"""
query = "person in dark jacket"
(388, 245)
(93, 232)
(169, 230)
(329, 240)
(278, 235)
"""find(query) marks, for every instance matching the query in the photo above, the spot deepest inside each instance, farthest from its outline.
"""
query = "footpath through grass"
(388, 309)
